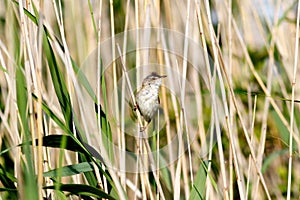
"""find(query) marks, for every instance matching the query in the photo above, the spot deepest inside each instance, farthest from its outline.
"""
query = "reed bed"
(227, 126)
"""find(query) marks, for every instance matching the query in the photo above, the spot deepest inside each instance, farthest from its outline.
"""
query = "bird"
(147, 99)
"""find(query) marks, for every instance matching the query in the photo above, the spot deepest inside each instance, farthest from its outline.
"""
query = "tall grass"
(227, 127)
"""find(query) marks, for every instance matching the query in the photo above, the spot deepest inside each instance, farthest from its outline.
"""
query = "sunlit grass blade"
(198, 189)
(59, 84)
(79, 144)
(105, 126)
(84, 81)
(27, 164)
(71, 170)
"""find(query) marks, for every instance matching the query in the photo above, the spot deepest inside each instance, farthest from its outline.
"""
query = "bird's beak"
(163, 76)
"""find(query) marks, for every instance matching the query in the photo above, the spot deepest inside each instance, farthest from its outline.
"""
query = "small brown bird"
(147, 99)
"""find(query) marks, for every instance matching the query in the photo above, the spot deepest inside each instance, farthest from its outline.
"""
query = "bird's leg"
(145, 126)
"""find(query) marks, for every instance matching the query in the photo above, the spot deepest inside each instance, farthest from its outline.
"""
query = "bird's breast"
(147, 101)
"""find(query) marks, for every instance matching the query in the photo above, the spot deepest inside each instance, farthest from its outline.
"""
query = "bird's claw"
(135, 107)
(142, 129)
